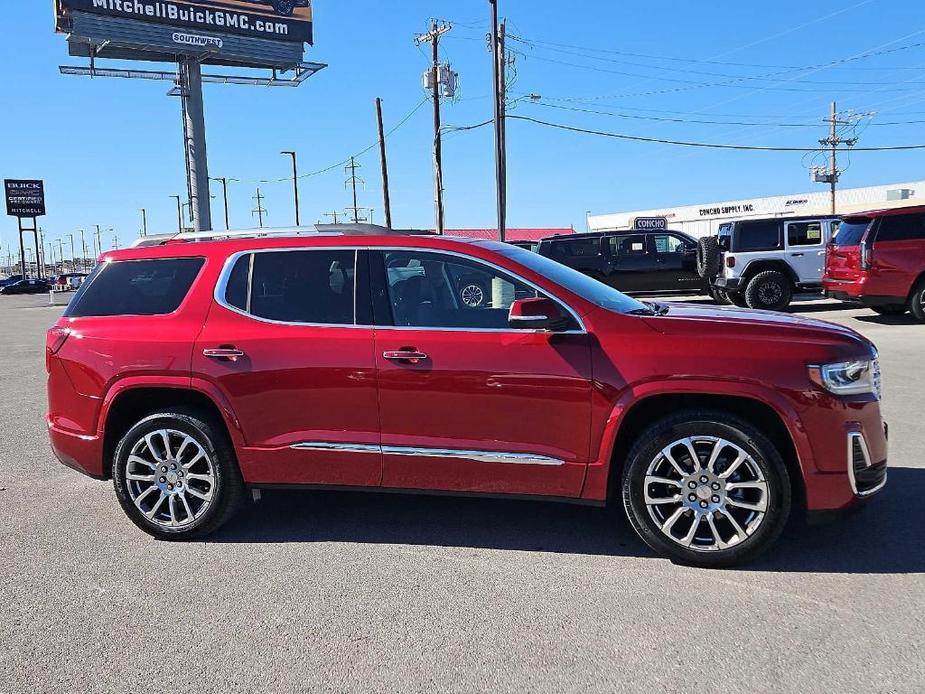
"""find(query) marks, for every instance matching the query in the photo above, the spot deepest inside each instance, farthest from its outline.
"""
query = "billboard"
(24, 198)
(275, 20)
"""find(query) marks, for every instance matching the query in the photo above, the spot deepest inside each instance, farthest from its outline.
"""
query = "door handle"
(412, 356)
(797, 255)
(227, 353)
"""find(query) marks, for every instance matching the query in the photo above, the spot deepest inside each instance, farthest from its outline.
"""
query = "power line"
(706, 145)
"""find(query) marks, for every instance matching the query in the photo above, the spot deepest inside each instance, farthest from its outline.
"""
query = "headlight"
(859, 377)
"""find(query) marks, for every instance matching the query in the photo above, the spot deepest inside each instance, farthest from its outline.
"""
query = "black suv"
(632, 261)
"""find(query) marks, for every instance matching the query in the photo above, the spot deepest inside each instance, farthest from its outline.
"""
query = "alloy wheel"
(170, 478)
(706, 493)
(472, 295)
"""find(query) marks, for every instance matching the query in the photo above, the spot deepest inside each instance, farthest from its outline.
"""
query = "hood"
(731, 322)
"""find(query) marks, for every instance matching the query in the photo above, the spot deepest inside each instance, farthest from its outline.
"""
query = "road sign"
(24, 198)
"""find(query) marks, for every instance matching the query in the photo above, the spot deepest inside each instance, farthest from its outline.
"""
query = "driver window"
(437, 290)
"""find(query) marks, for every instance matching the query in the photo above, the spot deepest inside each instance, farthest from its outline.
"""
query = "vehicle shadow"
(905, 319)
(884, 536)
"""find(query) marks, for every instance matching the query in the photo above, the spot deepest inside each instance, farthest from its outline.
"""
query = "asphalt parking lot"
(360, 592)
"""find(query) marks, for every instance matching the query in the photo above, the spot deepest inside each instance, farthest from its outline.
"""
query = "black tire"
(736, 299)
(917, 301)
(769, 291)
(890, 310)
(765, 460)
(719, 296)
(709, 257)
(225, 492)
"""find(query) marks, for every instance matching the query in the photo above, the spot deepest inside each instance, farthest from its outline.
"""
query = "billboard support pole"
(195, 130)
(22, 250)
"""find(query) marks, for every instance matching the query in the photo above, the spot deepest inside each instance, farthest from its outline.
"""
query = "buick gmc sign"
(24, 198)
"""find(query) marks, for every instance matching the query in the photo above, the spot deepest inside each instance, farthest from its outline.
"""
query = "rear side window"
(758, 236)
(312, 286)
(236, 291)
(578, 248)
(804, 234)
(851, 232)
(135, 288)
(902, 227)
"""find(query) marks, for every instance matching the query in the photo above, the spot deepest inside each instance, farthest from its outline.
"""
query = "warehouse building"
(704, 219)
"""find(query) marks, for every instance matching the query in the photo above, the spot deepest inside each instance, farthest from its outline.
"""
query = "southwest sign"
(281, 20)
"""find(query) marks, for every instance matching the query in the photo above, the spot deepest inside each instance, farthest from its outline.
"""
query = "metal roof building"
(704, 219)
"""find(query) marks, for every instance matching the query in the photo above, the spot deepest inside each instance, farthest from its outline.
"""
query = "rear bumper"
(727, 283)
(848, 297)
(80, 452)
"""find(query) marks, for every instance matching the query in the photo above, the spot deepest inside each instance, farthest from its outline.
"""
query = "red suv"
(190, 371)
(878, 259)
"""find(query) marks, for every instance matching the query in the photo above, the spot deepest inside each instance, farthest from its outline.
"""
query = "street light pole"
(144, 221)
(179, 213)
(73, 255)
(295, 184)
(83, 252)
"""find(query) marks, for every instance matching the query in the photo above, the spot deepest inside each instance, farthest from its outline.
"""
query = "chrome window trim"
(456, 453)
(222, 284)
(858, 436)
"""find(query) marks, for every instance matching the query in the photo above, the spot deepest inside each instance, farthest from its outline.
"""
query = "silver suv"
(762, 263)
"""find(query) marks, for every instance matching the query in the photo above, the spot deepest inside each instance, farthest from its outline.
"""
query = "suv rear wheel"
(770, 290)
(176, 475)
(719, 296)
(917, 301)
(706, 493)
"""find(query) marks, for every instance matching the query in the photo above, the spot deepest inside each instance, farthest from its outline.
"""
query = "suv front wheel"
(770, 290)
(176, 475)
(706, 493)
(917, 301)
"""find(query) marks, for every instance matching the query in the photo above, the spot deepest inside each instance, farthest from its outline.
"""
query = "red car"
(878, 259)
(192, 371)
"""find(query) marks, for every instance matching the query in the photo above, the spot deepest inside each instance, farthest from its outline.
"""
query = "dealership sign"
(24, 198)
(650, 223)
(282, 20)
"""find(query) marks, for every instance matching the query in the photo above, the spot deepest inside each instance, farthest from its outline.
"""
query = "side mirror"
(537, 314)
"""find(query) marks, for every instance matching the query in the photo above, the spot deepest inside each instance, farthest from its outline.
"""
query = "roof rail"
(315, 230)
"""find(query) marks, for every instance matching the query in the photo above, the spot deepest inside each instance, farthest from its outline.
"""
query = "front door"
(632, 268)
(466, 402)
(676, 261)
(287, 346)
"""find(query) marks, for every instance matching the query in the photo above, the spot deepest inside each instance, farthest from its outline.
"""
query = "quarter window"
(312, 286)
(902, 227)
(758, 236)
(135, 288)
(436, 290)
(804, 234)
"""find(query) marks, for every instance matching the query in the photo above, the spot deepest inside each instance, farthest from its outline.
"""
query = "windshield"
(587, 288)
(850, 233)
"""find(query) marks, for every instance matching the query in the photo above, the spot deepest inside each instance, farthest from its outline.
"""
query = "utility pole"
(260, 210)
(224, 182)
(179, 213)
(83, 252)
(99, 241)
(352, 181)
(500, 80)
(333, 215)
(73, 255)
(144, 221)
(832, 174)
(115, 242)
(433, 38)
(295, 184)
(386, 199)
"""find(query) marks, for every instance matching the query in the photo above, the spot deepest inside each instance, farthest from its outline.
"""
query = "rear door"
(290, 344)
(632, 267)
(806, 249)
(897, 254)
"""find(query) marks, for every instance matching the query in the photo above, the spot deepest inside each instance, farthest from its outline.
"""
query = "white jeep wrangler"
(762, 263)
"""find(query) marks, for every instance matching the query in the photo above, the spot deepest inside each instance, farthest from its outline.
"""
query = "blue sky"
(108, 147)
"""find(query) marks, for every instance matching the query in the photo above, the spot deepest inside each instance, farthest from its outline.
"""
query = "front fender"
(596, 481)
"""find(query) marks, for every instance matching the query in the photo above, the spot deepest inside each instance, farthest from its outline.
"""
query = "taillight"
(730, 261)
(56, 339)
(864, 255)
